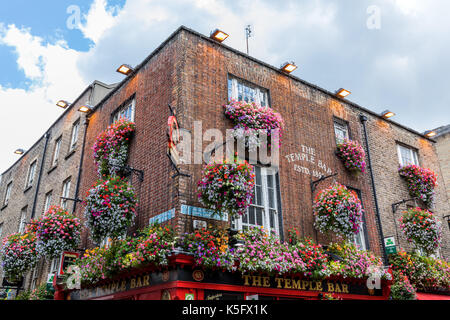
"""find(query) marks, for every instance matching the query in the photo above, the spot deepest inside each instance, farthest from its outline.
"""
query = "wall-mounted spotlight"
(86, 108)
(387, 114)
(62, 104)
(125, 69)
(19, 151)
(218, 35)
(342, 93)
(430, 133)
(288, 67)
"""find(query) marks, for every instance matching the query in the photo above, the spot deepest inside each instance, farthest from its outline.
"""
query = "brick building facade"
(195, 75)
(56, 161)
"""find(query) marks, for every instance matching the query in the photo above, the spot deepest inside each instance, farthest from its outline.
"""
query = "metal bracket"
(174, 166)
(139, 173)
(72, 199)
(315, 183)
(397, 204)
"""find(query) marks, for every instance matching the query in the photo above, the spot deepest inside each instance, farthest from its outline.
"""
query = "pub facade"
(189, 78)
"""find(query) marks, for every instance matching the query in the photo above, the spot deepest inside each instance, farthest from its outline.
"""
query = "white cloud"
(99, 19)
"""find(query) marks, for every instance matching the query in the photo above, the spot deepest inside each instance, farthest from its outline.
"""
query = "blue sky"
(395, 57)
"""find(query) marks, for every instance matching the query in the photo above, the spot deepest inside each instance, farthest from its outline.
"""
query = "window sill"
(52, 169)
(4, 207)
(71, 152)
(27, 188)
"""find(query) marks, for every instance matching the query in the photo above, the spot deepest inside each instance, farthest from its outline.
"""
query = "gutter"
(33, 211)
(363, 120)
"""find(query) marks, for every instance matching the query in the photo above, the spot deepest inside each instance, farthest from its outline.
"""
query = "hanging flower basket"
(422, 228)
(19, 254)
(111, 147)
(57, 231)
(352, 155)
(110, 208)
(227, 187)
(251, 120)
(338, 210)
(421, 182)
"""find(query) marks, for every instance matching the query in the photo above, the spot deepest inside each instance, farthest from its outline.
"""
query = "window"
(407, 155)
(126, 112)
(74, 137)
(34, 277)
(7, 193)
(1, 230)
(23, 219)
(264, 209)
(244, 91)
(54, 265)
(341, 130)
(56, 151)
(48, 201)
(31, 173)
(360, 238)
(65, 193)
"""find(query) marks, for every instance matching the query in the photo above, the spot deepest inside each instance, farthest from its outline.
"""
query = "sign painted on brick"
(304, 158)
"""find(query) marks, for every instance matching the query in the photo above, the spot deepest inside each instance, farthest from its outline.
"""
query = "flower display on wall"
(251, 119)
(421, 182)
(209, 247)
(423, 272)
(111, 147)
(110, 208)
(57, 231)
(338, 210)
(19, 254)
(355, 263)
(422, 228)
(352, 155)
(402, 288)
(227, 187)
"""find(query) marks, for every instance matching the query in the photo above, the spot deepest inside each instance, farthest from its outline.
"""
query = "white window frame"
(56, 151)
(239, 224)
(241, 90)
(341, 126)
(34, 278)
(412, 152)
(23, 219)
(7, 193)
(54, 265)
(359, 239)
(120, 113)
(31, 174)
(1, 230)
(74, 136)
(48, 200)
(65, 192)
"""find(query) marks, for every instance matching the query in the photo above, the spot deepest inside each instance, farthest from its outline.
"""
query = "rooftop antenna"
(248, 34)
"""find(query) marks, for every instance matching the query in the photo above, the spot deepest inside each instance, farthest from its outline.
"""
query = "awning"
(429, 296)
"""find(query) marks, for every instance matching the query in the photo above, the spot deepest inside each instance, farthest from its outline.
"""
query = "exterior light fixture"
(387, 114)
(342, 93)
(447, 217)
(19, 151)
(86, 108)
(288, 67)
(125, 69)
(62, 104)
(218, 35)
(430, 133)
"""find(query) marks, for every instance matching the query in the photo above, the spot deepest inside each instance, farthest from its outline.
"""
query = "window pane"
(259, 216)
(242, 91)
(251, 214)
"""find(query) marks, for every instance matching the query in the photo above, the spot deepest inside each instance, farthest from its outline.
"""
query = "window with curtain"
(243, 91)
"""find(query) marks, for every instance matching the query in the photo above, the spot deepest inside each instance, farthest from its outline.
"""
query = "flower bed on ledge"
(208, 249)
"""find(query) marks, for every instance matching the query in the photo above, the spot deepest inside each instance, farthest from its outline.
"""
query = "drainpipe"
(363, 120)
(33, 210)
(80, 166)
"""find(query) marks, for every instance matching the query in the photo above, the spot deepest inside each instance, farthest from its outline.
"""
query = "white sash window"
(263, 212)
(244, 91)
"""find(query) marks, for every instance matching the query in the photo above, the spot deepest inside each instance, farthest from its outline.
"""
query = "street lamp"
(86, 108)
(342, 93)
(219, 35)
(288, 67)
(387, 114)
(125, 69)
(63, 104)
